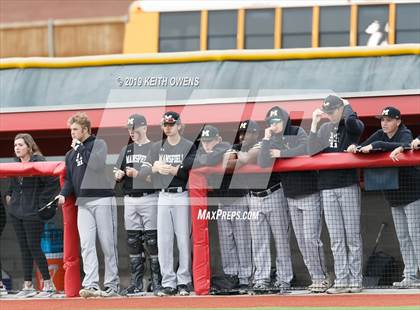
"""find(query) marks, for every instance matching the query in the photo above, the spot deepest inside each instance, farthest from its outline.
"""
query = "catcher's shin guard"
(155, 273)
(137, 271)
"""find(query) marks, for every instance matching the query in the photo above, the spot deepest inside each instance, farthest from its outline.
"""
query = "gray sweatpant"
(407, 226)
(306, 215)
(99, 218)
(174, 219)
(235, 242)
(342, 207)
(273, 219)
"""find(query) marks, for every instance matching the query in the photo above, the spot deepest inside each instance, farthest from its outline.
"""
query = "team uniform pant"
(306, 215)
(407, 226)
(235, 242)
(342, 207)
(174, 219)
(99, 218)
(273, 217)
(140, 213)
(28, 233)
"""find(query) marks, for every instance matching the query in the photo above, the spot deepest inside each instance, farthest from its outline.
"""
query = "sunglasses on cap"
(164, 124)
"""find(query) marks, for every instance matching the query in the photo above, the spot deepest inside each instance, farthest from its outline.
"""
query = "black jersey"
(182, 154)
(133, 155)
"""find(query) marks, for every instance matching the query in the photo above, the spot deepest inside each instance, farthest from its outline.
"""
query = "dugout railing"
(71, 258)
(198, 187)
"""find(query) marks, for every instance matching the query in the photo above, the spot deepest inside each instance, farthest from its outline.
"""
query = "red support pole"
(200, 233)
(71, 258)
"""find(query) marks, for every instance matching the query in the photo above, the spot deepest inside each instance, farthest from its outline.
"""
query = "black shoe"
(166, 291)
(243, 289)
(133, 291)
(184, 289)
(261, 288)
(281, 287)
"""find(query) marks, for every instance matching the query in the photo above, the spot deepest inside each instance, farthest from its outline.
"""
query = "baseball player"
(340, 191)
(404, 201)
(234, 234)
(283, 140)
(97, 212)
(140, 212)
(169, 161)
(267, 198)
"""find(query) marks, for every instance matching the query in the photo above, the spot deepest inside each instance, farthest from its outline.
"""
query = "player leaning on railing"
(284, 140)
(340, 191)
(234, 235)
(404, 201)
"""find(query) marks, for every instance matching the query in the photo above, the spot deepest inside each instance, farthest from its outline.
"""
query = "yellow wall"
(137, 39)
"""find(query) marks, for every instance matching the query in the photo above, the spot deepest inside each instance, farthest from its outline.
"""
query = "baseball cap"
(249, 125)
(48, 211)
(331, 103)
(276, 114)
(209, 133)
(136, 120)
(390, 112)
(170, 117)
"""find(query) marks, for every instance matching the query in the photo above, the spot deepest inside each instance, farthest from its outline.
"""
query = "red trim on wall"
(198, 114)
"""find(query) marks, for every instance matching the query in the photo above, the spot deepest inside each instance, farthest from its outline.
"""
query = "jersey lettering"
(136, 158)
(171, 158)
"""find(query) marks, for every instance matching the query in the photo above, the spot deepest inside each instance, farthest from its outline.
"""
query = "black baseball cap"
(209, 133)
(135, 121)
(248, 126)
(170, 117)
(276, 114)
(48, 211)
(332, 103)
(390, 112)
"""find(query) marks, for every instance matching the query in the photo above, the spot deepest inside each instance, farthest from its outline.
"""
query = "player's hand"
(415, 144)
(395, 153)
(156, 166)
(352, 149)
(118, 174)
(274, 153)
(267, 133)
(173, 170)
(8, 199)
(366, 149)
(317, 115)
(61, 199)
(243, 157)
(75, 144)
(164, 169)
(131, 172)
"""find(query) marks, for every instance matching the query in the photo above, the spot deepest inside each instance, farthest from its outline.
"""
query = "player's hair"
(30, 143)
(82, 119)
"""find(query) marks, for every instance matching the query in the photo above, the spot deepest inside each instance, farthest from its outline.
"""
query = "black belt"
(140, 194)
(266, 192)
(178, 189)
